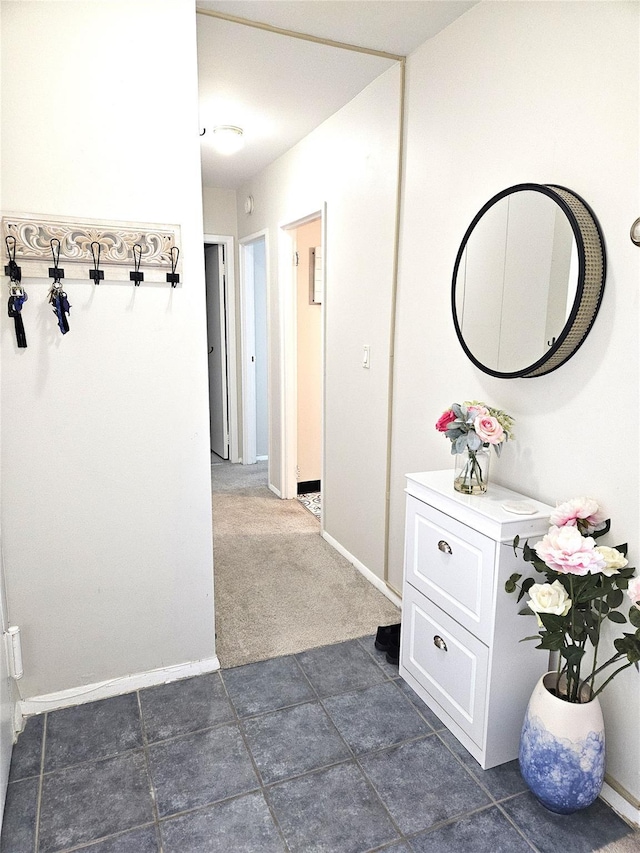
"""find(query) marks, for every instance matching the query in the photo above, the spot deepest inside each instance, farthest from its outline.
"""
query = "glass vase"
(472, 471)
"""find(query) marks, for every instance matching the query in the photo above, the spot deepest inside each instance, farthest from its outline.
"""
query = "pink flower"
(475, 411)
(444, 420)
(564, 550)
(634, 590)
(488, 429)
(577, 509)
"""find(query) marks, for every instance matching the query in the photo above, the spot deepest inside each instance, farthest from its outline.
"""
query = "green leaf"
(615, 598)
(514, 544)
(634, 616)
(629, 645)
(579, 632)
(627, 573)
(602, 530)
(572, 654)
(534, 637)
(552, 622)
(616, 616)
(591, 618)
(510, 584)
(526, 586)
(552, 642)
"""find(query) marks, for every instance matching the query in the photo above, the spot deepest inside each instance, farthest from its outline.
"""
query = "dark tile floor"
(326, 751)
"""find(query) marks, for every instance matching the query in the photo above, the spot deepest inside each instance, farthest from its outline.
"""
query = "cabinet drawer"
(452, 564)
(448, 661)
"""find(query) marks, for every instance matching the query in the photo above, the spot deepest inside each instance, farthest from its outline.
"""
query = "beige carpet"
(279, 587)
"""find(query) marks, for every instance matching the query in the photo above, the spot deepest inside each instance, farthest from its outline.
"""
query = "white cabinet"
(460, 645)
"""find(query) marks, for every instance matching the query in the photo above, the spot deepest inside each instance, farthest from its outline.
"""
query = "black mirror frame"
(590, 288)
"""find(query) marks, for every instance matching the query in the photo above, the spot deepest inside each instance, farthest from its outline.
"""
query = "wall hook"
(12, 269)
(136, 276)
(173, 277)
(96, 273)
(56, 272)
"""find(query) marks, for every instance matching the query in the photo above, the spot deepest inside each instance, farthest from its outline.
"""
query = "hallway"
(279, 587)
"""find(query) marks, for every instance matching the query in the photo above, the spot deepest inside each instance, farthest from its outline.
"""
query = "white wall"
(349, 162)
(547, 93)
(106, 511)
(7, 697)
(219, 211)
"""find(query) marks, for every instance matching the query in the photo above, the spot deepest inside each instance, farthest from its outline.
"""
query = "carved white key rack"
(96, 252)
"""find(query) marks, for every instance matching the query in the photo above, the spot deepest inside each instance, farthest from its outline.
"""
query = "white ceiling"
(277, 88)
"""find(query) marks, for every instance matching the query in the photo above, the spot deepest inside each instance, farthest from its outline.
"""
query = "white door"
(253, 311)
(218, 396)
(260, 332)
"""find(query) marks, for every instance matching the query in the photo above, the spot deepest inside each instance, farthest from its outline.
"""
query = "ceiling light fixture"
(227, 138)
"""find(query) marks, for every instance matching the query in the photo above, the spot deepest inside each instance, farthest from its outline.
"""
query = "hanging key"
(17, 298)
(17, 294)
(57, 297)
(60, 304)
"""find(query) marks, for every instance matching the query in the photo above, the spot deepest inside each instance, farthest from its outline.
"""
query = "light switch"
(366, 357)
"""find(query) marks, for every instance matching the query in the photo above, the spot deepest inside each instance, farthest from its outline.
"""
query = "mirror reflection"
(516, 280)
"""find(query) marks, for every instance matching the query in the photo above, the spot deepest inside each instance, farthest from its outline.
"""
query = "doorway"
(309, 292)
(253, 319)
(221, 341)
(303, 296)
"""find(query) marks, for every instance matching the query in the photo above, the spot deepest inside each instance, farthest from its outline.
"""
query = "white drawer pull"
(440, 643)
(444, 547)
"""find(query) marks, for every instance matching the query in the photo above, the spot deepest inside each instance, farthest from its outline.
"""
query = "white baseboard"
(627, 809)
(262, 458)
(274, 490)
(368, 574)
(116, 686)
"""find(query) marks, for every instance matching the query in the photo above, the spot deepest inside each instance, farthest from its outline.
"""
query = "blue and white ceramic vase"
(562, 749)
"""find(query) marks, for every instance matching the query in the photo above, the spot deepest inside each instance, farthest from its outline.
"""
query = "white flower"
(548, 598)
(614, 559)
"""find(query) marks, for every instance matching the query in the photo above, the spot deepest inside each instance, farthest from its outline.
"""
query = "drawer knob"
(444, 547)
(440, 643)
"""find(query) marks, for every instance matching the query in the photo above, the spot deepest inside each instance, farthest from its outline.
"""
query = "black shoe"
(393, 653)
(387, 636)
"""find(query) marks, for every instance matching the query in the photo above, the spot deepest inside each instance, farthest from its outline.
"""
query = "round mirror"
(528, 280)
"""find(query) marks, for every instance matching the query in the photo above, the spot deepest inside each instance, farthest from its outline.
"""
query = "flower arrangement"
(473, 426)
(585, 585)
